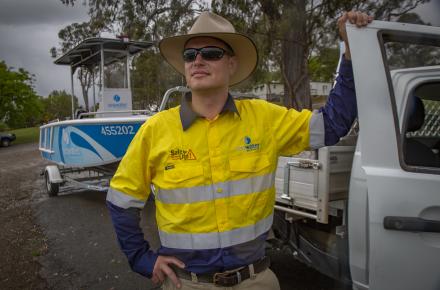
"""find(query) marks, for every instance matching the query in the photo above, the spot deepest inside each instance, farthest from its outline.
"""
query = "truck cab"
(367, 210)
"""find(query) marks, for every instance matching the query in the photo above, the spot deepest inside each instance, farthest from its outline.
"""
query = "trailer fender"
(54, 174)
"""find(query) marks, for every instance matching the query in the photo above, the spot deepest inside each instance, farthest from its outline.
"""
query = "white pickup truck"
(367, 211)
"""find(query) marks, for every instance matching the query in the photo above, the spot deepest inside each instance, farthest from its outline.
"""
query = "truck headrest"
(417, 115)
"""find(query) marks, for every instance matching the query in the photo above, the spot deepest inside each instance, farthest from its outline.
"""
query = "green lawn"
(26, 135)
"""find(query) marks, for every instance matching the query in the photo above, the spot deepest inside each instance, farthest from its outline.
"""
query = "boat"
(88, 142)
(86, 149)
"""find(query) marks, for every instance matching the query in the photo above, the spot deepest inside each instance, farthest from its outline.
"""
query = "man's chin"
(198, 86)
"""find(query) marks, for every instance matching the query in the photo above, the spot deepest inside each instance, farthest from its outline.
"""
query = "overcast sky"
(29, 28)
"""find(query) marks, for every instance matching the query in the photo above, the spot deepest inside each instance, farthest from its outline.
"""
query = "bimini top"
(87, 53)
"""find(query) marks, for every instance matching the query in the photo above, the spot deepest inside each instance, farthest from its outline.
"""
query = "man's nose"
(198, 59)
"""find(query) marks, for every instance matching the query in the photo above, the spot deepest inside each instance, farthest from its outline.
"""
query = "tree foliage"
(406, 55)
(70, 36)
(292, 33)
(322, 66)
(19, 105)
(151, 77)
(73, 34)
(140, 20)
(58, 105)
(296, 39)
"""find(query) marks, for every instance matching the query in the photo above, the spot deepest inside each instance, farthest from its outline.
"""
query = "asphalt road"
(83, 252)
(80, 247)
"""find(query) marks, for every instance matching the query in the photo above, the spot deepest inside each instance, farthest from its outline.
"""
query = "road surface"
(67, 242)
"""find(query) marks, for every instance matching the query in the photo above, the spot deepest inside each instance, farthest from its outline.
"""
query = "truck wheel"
(5, 142)
(52, 189)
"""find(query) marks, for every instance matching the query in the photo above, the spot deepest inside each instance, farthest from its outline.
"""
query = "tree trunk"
(85, 92)
(84, 77)
(294, 51)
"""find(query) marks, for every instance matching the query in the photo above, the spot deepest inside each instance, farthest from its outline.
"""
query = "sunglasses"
(207, 53)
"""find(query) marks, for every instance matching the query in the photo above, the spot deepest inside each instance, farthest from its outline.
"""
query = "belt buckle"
(223, 278)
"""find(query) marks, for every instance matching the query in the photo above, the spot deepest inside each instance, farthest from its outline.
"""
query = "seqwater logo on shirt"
(248, 145)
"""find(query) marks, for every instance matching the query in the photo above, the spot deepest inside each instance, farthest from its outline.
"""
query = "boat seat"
(78, 113)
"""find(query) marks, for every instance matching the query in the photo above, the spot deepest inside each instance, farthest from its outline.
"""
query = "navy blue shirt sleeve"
(131, 239)
(340, 111)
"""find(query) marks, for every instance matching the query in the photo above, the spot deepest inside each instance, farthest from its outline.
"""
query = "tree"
(144, 20)
(71, 36)
(19, 104)
(288, 33)
(151, 77)
(322, 66)
(139, 19)
(406, 55)
(58, 105)
(296, 30)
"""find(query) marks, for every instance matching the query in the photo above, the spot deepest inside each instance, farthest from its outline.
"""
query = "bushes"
(3, 127)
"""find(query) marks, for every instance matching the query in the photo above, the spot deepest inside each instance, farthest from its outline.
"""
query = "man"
(212, 162)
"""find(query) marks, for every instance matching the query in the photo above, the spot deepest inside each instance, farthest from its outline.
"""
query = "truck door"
(397, 76)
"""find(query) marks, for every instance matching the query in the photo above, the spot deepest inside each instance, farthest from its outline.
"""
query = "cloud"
(29, 12)
(429, 12)
(29, 49)
(28, 29)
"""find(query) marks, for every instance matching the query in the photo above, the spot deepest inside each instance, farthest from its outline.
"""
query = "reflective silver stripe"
(317, 131)
(216, 240)
(216, 190)
(123, 200)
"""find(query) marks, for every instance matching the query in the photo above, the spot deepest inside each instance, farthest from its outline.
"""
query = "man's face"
(204, 74)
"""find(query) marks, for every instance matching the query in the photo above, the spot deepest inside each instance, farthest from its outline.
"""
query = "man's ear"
(232, 64)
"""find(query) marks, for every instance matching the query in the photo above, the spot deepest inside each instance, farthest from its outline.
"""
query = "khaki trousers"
(265, 280)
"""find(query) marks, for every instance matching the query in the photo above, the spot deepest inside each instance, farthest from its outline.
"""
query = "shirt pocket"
(249, 164)
(253, 174)
(184, 173)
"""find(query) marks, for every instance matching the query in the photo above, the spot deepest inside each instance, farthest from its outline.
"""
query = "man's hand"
(162, 269)
(354, 17)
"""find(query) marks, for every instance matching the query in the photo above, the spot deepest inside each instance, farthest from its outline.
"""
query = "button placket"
(211, 141)
(217, 168)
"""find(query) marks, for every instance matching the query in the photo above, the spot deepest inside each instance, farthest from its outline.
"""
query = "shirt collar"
(188, 116)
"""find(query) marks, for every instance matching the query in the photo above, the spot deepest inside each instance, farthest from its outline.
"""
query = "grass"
(26, 135)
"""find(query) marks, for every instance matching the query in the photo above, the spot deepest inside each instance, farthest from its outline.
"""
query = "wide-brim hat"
(213, 25)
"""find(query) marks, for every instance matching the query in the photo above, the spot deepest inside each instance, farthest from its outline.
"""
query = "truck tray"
(306, 186)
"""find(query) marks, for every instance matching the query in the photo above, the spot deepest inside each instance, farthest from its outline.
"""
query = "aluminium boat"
(86, 149)
(102, 137)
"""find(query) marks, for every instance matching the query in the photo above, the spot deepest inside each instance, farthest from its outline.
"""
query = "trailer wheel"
(51, 188)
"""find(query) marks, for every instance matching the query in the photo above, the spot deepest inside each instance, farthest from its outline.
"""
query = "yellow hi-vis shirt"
(214, 182)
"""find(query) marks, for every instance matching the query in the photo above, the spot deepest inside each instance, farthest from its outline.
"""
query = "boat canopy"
(112, 58)
(87, 53)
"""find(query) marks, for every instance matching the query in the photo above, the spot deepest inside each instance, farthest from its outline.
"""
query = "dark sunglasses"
(207, 53)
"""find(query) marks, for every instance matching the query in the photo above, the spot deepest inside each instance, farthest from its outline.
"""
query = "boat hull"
(88, 142)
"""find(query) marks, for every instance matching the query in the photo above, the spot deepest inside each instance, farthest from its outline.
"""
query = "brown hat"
(213, 25)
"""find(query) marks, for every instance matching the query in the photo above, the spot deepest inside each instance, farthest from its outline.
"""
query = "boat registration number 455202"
(117, 130)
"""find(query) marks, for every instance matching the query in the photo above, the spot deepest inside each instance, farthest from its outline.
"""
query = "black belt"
(227, 278)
